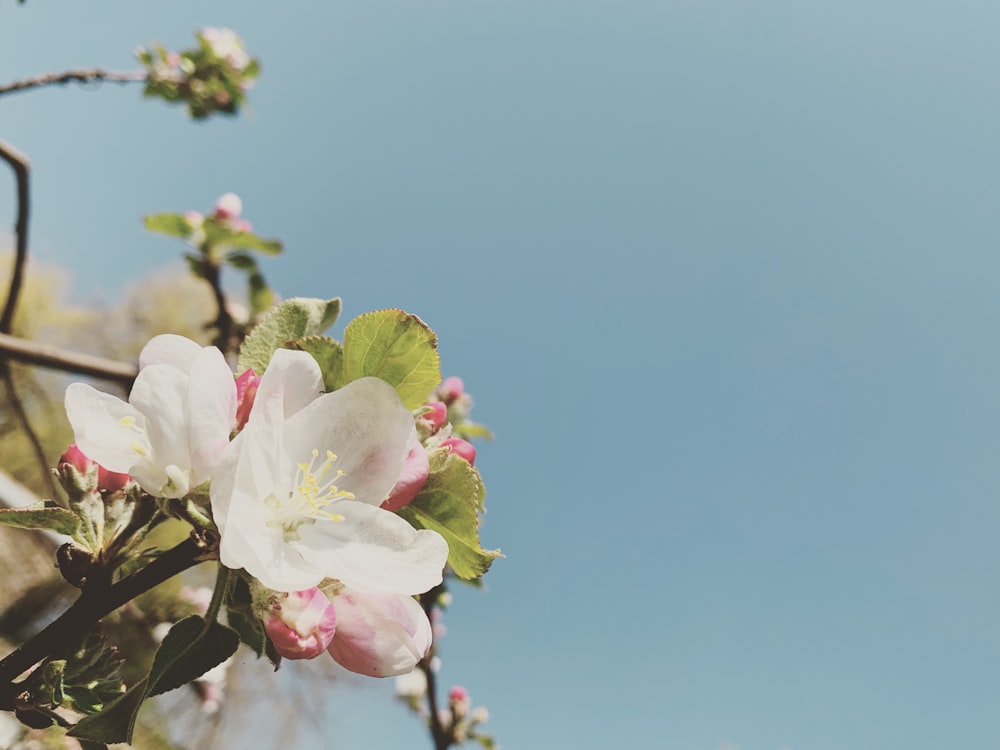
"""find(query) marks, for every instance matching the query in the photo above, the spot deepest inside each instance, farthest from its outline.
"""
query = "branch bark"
(82, 75)
(32, 353)
(20, 164)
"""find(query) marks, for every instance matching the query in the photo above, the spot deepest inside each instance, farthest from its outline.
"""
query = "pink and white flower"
(296, 495)
(174, 427)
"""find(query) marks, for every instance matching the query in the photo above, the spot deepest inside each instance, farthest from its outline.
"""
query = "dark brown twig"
(442, 737)
(83, 75)
(20, 164)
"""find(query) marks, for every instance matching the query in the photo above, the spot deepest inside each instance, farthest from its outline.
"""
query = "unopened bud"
(435, 414)
(451, 389)
(246, 392)
(107, 481)
(459, 447)
(229, 206)
(411, 480)
(301, 625)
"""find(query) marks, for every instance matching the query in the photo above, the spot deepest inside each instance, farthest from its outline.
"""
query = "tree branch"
(83, 75)
(91, 607)
(20, 164)
(442, 738)
(30, 352)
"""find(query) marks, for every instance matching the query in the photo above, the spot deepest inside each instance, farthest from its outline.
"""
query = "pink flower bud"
(451, 389)
(461, 448)
(411, 480)
(173, 58)
(241, 225)
(379, 635)
(107, 481)
(229, 206)
(436, 415)
(246, 392)
(458, 694)
(302, 624)
(194, 218)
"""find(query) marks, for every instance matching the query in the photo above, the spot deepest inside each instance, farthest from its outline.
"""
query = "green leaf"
(260, 294)
(43, 516)
(449, 504)
(249, 241)
(471, 430)
(186, 654)
(116, 722)
(291, 320)
(328, 353)
(242, 261)
(250, 630)
(396, 347)
(174, 225)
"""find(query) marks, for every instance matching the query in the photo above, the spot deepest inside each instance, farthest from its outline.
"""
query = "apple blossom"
(296, 493)
(379, 635)
(451, 389)
(175, 425)
(300, 624)
(436, 414)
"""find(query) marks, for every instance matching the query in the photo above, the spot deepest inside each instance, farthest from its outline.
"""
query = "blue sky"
(723, 277)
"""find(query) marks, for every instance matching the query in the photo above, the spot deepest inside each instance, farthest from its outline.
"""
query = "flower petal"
(373, 550)
(211, 411)
(379, 635)
(96, 419)
(160, 394)
(292, 378)
(366, 426)
(170, 349)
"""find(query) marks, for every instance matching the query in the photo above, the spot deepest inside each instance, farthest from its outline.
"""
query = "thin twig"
(83, 75)
(20, 164)
(440, 736)
(30, 352)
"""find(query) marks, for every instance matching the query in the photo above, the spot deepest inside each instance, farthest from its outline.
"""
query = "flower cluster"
(296, 480)
(213, 77)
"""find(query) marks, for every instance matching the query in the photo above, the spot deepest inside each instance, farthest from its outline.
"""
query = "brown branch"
(43, 355)
(83, 75)
(442, 738)
(20, 164)
(91, 607)
(22, 417)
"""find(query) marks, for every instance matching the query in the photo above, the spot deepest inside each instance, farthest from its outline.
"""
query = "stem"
(91, 607)
(441, 737)
(222, 582)
(82, 75)
(226, 340)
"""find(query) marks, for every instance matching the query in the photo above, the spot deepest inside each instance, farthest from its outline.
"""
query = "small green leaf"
(116, 722)
(398, 348)
(188, 651)
(471, 430)
(174, 225)
(242, 261)
(449, 504)
(291, 320)
(328, 353)
(260, 294)
(249, 241)
(50, 517)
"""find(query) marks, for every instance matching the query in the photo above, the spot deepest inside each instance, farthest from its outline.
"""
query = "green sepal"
(397, 347)
(293, 319)
(174, 225)
(449, 504)
(471, 430)
(45, 515)
(329, 355)
(115, 723)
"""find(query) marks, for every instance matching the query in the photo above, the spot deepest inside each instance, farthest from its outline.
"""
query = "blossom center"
(314, 489)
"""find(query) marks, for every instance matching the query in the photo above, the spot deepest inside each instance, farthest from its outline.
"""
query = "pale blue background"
(723, 276)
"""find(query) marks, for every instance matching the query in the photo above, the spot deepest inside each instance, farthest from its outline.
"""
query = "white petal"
(374, 550)
(170, 349)
(211, 411)
(97, 418)
(160, 393)
(366, 426)
(293, 379)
